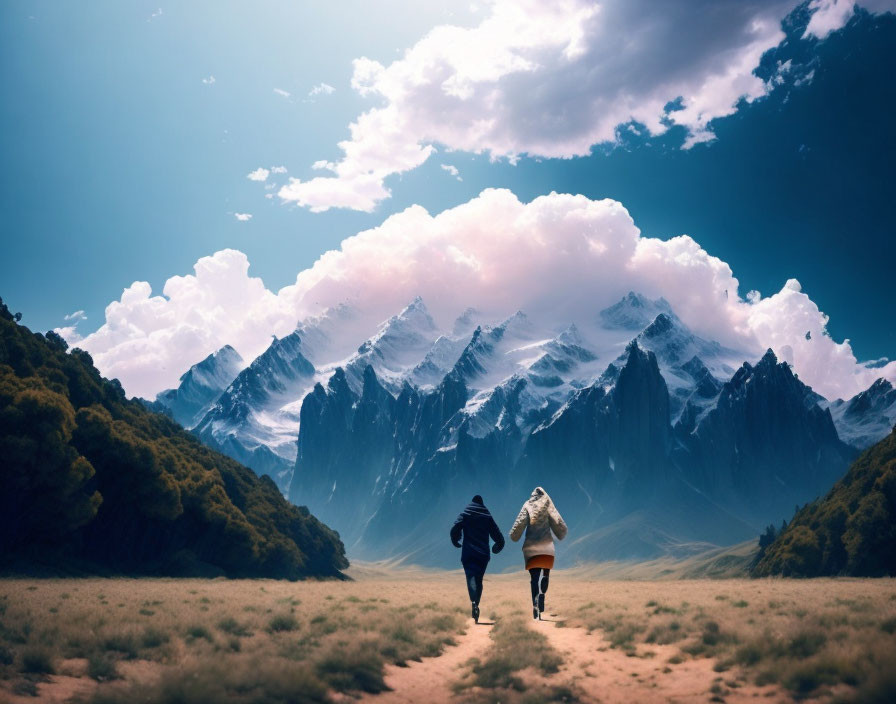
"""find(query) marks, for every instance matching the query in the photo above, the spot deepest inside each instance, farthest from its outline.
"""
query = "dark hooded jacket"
(475, 525)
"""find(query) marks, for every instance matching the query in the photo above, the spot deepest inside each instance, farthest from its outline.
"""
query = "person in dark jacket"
(476, 525)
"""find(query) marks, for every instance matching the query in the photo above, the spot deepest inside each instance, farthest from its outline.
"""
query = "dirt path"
(431, 679)
(608, 675)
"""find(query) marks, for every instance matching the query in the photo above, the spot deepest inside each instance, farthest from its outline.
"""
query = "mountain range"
(651, 439)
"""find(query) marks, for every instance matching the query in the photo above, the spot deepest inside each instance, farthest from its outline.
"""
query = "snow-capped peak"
(633, 312)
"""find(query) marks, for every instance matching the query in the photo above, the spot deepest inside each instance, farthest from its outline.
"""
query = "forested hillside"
(851, 531)
(94, 482)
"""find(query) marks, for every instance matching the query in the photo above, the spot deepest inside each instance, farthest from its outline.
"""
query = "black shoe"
(476, 613)
(535, 614)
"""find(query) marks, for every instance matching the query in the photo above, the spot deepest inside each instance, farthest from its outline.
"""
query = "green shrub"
(806, 643)
(350, 669)
(282, 623)
(233, 627)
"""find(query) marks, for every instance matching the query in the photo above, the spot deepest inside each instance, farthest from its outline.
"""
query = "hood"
(477, 509)
(538, 504)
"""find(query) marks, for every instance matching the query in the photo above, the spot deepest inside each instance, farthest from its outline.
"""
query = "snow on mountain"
(396, 348)
(867, 417)
(634, 312)
(249, 421)
(256, 419)
(684, 358)
(480, 388)
(200, 386)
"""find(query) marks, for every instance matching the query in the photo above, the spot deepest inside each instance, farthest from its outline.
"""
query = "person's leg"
(472, 584)
(473, 574)
(533, 583)
(543, 588)
(534, 579)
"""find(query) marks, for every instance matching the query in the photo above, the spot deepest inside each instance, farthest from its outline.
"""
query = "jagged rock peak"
(415, 314)
(517, 323)
(661, 324)
(224, 358)
(467, 364)
(466, 321)
(338, 382)
(369, 373)
(571, 336)
(880, 386)
(416, 309)
(695, 367)
(633, 312)
(768, 359)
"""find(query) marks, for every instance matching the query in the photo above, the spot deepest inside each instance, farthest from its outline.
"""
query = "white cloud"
(321, 89)
(278, 169)
(157, 13)
(548, 80)
(260, 174)
(830, 15)
(451, 169)
(558, 253)
(554, 79)
(282, 93)
(210, 80)
(243, 217)
(146, 340)
(69, 333)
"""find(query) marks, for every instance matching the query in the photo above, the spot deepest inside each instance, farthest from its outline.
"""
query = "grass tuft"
(283, 623)
(37, 659)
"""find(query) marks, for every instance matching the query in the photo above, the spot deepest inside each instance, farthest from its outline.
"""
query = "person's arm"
(495, 532)
(457, 531)
(519, 525)
(558, 525)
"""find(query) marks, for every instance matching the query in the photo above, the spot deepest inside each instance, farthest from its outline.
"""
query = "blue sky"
(125, 162)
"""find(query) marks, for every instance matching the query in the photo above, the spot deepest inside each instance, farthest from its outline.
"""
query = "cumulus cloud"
(260, 174)
(146, 340)
(77, 316)
(554, 80)
(243, 217)
(278, 169)
(561, 258)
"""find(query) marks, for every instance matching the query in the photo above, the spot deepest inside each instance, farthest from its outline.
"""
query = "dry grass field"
(406, 636)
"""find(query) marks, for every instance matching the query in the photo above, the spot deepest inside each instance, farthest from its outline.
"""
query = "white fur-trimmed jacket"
(539, 518)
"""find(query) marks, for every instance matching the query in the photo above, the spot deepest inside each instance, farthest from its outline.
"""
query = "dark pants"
(539, 583)
(474, 573)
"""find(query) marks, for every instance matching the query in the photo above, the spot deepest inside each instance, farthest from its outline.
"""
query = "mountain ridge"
(385, 424)
(92, 479)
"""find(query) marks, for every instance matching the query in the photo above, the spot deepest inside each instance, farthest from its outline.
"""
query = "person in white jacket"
(539, 518)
